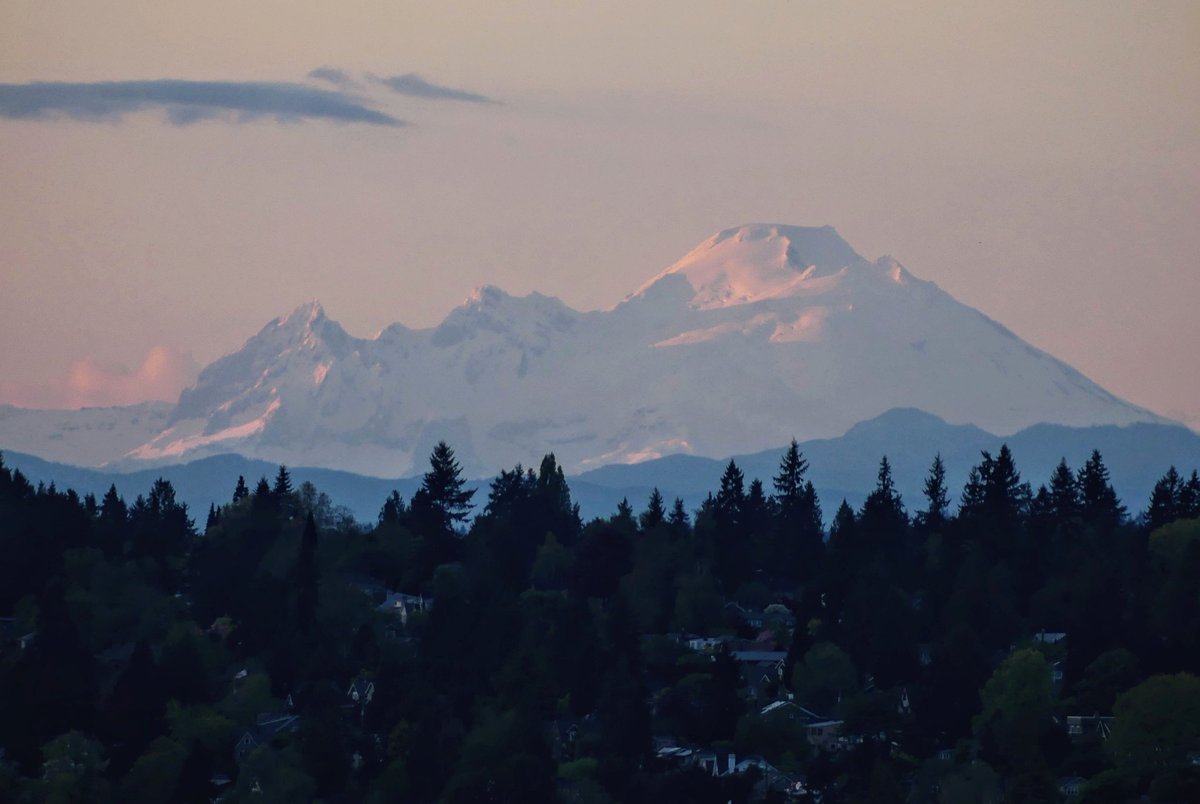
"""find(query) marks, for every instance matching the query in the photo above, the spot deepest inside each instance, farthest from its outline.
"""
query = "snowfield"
(760, 334)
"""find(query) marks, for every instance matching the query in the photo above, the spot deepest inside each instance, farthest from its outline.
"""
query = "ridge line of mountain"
(841, 467)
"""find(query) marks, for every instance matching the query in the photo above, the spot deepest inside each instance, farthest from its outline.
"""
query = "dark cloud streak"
(415, 86)
(332, 75)
(185, 102)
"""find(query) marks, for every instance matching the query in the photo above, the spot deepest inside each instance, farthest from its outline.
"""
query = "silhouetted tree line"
(534, 657)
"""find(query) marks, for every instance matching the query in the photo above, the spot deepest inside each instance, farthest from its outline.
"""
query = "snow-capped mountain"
(760, 334)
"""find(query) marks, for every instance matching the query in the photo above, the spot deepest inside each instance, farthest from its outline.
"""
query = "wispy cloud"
(332, 75)
(415, 86)
(186, 102)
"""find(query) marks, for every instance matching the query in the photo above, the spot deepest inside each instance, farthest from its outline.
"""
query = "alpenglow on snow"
(759, 334)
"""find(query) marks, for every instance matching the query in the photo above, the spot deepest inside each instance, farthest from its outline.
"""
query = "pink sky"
(1041, 162)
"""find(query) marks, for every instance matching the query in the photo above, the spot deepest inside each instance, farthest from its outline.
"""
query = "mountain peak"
(757, 261)
(305, 315)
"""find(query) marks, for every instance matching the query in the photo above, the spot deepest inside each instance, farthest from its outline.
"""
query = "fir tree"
(393, 509)
(443, 485)
(113, 509)
(213, 517)
(884, 503)
(679, 516)
(789, 483)
(732, 495)
(283, 482)
(240, 492)
(264, 501)
(843, 522)
(1064, 493)
(1098, 501)
(655, 512)
(1164, 500)
(624, 512)
(970, 502)
(936, 495)
(1189, 497)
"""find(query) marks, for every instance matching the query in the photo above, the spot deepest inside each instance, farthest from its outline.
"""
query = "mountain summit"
(761, 261)
(759, 334)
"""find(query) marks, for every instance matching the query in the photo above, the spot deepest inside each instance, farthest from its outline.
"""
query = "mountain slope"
(759, 334)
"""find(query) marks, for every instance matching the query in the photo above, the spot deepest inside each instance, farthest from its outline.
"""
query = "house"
(760, 657)
(361, 692)
(675, 753)
(267, 726)
(825, 735)
(401, 605)
(1079, 726)
(760, 670)
(707, 644)
(788, 710)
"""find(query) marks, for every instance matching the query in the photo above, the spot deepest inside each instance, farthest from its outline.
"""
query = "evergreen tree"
(283, 483)
(843, 523)
(213, 517)
(393, 509)
(883, 506)
(112, 521)
(624, 515)
(443, 486)
(282, 491)
(936, 495)
(797, 544)
(789, 483)
(679, 516)
(970, 503)
(732, 495)
(1098, 501)
(240, 492)
(1189, 497)
(1064, 493)
(552, 486)
(307, 577)
(655, 512)
(1003, 497)
(1164, 500)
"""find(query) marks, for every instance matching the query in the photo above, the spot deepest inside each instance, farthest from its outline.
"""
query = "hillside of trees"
(995, 643)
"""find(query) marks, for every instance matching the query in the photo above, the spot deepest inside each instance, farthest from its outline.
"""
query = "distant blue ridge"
(845, 467)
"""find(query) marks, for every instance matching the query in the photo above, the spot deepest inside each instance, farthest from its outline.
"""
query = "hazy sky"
(181, 173)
